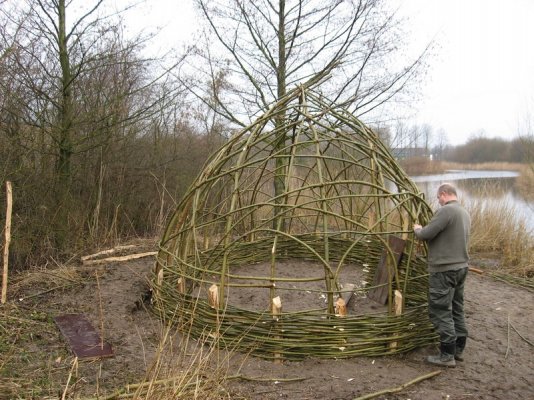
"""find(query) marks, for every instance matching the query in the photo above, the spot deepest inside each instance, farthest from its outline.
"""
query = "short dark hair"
(447, 188)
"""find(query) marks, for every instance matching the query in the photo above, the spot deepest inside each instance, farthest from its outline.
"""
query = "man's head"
(446, 193)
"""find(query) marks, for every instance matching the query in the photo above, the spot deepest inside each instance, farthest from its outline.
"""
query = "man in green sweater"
(447, 237)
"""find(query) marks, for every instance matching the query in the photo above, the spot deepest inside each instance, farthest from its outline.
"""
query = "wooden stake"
(213, 296)
(341, 308)
(180, 285)
(397, 307)
(159, 278)
(276, 309)
(397, 302)
(7, 236)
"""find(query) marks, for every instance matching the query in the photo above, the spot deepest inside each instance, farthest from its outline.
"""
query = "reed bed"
(319, 187)
(499, 231)
(525, 181)
(486, 166)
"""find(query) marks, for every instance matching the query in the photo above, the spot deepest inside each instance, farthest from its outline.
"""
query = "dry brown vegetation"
(499, 233)
(525, 182)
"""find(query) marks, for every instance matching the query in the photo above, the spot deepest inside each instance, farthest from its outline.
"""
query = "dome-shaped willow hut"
(296, 240)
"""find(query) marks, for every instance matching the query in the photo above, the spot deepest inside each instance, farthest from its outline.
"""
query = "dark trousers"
(446, 304)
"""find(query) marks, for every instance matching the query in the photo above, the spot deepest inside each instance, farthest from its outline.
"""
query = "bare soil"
(499, 359)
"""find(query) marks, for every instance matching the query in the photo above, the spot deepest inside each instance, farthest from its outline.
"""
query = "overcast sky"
(482, 78)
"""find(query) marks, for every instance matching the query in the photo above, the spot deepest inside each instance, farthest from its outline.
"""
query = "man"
(447, 236)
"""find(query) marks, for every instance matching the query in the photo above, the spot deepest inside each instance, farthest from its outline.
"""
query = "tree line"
(423, 141)
(482, 150)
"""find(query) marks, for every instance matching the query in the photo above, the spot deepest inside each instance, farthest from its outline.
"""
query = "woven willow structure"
(292, 212)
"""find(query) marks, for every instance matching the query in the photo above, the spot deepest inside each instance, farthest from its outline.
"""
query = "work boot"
(446, 356)
(460, 346)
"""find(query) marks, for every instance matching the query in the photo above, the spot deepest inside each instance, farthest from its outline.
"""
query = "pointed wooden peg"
(213, 296)
(341, 308)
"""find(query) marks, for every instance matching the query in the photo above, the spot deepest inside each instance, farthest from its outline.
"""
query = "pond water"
(482, 187)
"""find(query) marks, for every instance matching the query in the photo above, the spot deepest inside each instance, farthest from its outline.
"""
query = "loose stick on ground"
(521, 336)
(508, 338)
(110, 251)
(476, 270)
(118, 259)
(399, 388)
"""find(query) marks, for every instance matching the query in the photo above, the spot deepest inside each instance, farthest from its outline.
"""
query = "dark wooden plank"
(82, 337)
(347, 293)
(379, 292)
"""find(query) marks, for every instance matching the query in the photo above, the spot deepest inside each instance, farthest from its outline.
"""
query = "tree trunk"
(65, 109)
(64, 125)
(280, 142)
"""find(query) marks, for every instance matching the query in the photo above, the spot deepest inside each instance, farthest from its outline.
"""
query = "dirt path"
(499, 363)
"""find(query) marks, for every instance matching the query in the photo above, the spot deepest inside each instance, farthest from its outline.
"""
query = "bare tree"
(441, 144)
(76, 90)
(426, 137)
(271, 45)
(86, 81)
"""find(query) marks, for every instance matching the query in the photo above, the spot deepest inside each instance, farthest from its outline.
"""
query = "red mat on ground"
(82, 337)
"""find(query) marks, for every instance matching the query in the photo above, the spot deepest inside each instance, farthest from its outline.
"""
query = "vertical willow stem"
(324, 207)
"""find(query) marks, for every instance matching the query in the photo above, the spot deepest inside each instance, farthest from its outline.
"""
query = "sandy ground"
(499, 363)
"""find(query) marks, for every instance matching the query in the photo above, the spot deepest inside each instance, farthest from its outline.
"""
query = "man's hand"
(416, 227)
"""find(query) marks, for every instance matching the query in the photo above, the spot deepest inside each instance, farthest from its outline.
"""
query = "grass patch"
(25, 370)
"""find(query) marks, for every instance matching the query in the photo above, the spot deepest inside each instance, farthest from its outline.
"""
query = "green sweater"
(447, 236)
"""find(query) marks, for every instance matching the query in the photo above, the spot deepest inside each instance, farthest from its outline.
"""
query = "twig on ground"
(41, 293)
(476, 270)
(253, 379)
(100, 310)
(74, 367)
(23, 320)
(398, 388)
(508, 338)
(60, 276)
(521, 336)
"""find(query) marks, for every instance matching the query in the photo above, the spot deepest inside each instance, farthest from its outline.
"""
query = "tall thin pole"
(7, 236)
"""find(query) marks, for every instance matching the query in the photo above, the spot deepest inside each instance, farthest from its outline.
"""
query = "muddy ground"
(499, 359)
